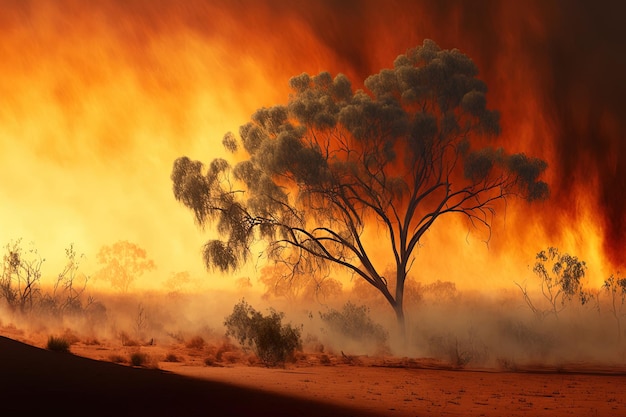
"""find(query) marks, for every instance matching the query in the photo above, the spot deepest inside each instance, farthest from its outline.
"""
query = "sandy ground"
(429, 392)
(356, 386)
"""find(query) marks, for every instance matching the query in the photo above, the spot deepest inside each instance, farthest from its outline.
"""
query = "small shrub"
(217, 350)
(138, 359)
(170, 357)
(354, 322)
(58, 344)
(325, 359)
(127, 340)
(210, 361)
(117, 358)
(273, 342)
(70, 336)
(313, 344)
(532, 341)
(92, 342)
(178, 336)
(507, 364)
(458, 352)
(231, 357)
(196, 342)
(350, 359)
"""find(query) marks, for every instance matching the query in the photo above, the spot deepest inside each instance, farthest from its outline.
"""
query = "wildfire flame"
(98, 99)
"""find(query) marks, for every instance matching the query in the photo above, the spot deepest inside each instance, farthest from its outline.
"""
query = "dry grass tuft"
(58, 344)
(196, 342)
(171, 357)
(116, 358)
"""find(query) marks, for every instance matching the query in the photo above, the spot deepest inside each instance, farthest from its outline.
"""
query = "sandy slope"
(39, 382)
(36, 381)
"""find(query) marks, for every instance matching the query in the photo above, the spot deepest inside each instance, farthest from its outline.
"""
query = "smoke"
(584, 82)
(98, 101)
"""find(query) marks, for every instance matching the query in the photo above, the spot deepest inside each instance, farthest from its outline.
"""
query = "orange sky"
(97, 99)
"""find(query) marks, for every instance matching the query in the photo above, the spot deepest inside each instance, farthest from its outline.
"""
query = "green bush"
(268, 338)
(58, 344)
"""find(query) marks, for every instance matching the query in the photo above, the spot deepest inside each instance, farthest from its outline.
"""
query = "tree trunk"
(399, 310)
(399, 305)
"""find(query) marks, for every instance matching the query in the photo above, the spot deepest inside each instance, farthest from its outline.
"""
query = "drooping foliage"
(333, 161)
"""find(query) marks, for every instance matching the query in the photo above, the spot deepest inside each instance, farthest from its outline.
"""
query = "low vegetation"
(139, 358)
(354, 322)
(271, 340)
(557, 304)
(58, 344)
(561, 282)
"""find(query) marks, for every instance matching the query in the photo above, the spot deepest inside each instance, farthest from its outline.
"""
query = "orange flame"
(97, 100)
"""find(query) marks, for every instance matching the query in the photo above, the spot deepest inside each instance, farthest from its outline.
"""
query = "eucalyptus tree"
(561, 280)
(122, 263)
(314, 175)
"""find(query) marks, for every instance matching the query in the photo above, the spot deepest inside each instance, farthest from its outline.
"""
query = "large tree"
(315, 174)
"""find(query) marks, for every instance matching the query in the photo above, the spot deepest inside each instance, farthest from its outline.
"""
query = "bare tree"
(332, 163)
(70, 284)
(21, 276)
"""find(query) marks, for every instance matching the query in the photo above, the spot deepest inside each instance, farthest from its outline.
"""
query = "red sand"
(35, 381)
(431, 392)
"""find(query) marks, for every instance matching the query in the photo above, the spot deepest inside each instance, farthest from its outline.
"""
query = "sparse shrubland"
(458, 328)
(24, 292)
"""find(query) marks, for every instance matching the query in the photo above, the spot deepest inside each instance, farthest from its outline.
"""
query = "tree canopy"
(317, 172)
(122, 263)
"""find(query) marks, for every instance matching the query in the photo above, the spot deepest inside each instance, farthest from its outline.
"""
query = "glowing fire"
(96, 102)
